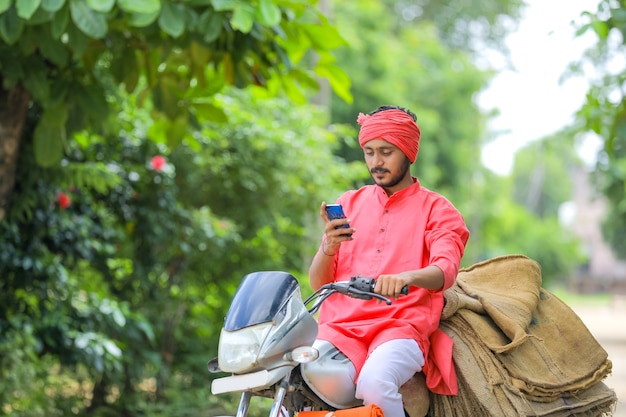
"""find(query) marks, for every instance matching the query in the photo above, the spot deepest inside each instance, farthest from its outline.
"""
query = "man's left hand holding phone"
(337, 229)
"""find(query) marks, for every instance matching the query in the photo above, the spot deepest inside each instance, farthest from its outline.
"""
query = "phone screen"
(335, 211)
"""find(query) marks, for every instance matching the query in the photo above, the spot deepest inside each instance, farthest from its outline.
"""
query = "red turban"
(394, 126)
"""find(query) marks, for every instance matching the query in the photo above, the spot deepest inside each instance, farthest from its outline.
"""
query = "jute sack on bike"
(371, 410)
(484, 391)
(514, 346)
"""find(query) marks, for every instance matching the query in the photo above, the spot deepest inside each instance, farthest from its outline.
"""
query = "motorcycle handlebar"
(359, 287)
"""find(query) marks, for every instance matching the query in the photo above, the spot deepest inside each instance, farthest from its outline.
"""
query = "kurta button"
(378, 250)
(382, 230)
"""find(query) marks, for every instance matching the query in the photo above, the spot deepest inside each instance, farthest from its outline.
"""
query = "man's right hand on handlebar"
(391, 285)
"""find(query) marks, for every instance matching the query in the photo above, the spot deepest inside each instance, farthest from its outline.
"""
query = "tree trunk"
(13, 107)
(98, 394)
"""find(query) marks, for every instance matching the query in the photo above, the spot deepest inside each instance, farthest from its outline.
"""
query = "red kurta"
(410, 230)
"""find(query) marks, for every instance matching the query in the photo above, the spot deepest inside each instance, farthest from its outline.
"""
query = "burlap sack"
(508, 291)
(484, 389)
(518, 350)
(566, 359)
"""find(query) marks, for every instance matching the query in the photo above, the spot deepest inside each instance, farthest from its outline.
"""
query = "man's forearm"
(322, 269)
(430, 277)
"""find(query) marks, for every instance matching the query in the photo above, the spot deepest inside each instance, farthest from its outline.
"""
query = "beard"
(405, 170)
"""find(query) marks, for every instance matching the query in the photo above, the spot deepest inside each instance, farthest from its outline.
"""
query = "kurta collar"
(404, 193)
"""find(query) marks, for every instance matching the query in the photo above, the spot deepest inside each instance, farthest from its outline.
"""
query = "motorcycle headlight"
(239, 349)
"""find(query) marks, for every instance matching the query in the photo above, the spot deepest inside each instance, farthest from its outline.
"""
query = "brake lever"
(358, 287)
(382, 298)
(355, 292)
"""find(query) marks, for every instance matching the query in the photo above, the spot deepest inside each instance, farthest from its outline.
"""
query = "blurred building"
(604, 272)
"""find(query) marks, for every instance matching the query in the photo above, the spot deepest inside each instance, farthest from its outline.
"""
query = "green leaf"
(26, 8)
(268, 13)
(36, 79)
(92, 103)
(243, 17)
(157, 131)
(224, 5)
(338, 79)
(131, 78)
(140, 20)
(147, 329)
(140, 6)
(12, 71)
(29, 40)
(59, 22)
(172, 19)
(58, 93)
(176, 130)
(4, 5)
(77, 41)
(40, 16)
(209, 112)
(54, 50)
(198, 56)
(90, 22)
(55, 116)
(52, 5)
(601, 29)
(211, 24)
(11, 26)
(48, 144)
(166, 96)
(125, 69)
(293, 90)
(324, 37)
(101, 6)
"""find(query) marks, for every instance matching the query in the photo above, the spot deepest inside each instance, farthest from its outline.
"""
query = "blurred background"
(154, 152)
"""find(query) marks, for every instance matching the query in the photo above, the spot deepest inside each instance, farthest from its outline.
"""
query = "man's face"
(387, 164)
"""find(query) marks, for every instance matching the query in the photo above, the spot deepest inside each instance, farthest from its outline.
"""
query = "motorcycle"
(268, 344)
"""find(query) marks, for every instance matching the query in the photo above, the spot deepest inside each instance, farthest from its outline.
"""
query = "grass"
(582, 300)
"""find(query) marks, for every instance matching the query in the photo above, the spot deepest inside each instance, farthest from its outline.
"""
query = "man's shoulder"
(363, 192)
(436, 201)
(432, 195)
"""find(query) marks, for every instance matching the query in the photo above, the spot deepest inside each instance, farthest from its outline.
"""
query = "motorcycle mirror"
(213, 366)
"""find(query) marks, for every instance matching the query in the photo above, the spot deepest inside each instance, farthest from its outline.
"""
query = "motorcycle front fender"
(250, 382)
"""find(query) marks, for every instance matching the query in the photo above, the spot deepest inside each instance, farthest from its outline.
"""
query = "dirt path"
(608, 325)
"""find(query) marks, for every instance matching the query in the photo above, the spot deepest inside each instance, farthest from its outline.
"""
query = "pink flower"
(63, 200)
(158, 162)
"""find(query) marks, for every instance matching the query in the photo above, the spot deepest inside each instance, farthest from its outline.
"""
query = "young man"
(402, 234)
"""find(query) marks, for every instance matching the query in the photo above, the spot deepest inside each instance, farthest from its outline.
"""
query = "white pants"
(386, 369)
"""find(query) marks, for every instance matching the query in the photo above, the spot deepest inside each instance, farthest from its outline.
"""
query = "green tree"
(420, 55)
(541, 182)
(96, 243)
(64, 56)
(510, 228)
(125, 289)
(542, 174)
(462, 25)
(412, 54)
(604, 112)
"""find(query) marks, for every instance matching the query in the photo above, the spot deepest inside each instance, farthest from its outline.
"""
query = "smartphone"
(335, 211)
